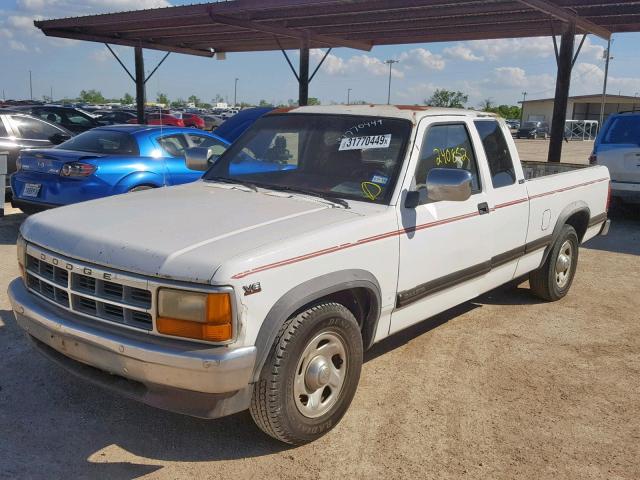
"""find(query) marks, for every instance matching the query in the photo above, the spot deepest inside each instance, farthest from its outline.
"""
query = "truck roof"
(409, 112)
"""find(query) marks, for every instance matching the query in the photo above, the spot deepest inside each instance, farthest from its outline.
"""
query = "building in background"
(582, 107)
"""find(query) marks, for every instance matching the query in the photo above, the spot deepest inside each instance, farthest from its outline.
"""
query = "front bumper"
(175, 375)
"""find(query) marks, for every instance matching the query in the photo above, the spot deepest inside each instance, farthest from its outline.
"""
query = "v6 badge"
(252, 288)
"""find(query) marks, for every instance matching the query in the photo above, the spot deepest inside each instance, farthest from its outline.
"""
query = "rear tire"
(553, 280)
(310, 376)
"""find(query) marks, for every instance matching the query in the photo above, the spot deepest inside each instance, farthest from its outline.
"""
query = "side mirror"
(451, 184)
(197, 158)
(58, 138)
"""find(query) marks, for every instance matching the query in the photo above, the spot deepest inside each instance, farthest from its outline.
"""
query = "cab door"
(444, 252)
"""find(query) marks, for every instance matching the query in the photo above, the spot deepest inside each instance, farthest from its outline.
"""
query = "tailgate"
(623, 162)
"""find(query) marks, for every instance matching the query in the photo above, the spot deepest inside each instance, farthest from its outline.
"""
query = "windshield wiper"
(331, 198)
(250, 185)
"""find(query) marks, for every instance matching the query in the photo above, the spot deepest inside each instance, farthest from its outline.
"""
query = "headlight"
(21, 247)
(203, 316)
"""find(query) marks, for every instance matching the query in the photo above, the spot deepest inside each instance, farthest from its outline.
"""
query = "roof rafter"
(568, 16)
(289, 32)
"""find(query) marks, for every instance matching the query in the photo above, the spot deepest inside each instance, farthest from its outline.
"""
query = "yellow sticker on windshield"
(371, 190)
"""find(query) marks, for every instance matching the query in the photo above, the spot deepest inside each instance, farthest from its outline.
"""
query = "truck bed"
(534, 170)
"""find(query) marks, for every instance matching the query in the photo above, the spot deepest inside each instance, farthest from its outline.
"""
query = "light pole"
(607, 56)
(235, 92)
(30, 87)
(390, 63)
(524, 98)
(348, 96)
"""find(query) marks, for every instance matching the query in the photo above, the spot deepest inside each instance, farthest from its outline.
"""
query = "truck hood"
(182, 233)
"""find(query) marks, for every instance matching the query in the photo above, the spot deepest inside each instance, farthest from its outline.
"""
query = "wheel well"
(361, 302)
(579, 221)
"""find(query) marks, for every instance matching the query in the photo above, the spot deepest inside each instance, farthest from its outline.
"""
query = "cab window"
(447, 146)
(497, 151)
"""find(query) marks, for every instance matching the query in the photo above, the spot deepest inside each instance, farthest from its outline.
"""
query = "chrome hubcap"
(320, 375)
(563, 264)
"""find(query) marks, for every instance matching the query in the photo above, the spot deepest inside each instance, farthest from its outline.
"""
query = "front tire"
(310, 376)
(553, 280)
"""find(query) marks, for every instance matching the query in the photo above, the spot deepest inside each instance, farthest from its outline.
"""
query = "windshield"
(108, 142)
(340, 156)
(529, 125)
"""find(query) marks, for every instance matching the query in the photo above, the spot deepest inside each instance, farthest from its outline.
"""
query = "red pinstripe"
(395, 233)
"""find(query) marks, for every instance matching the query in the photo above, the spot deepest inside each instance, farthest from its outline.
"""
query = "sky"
(499, 70)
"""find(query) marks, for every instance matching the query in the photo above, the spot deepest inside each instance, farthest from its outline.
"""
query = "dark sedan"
(533, 130)
(72, 119)
(18, 131)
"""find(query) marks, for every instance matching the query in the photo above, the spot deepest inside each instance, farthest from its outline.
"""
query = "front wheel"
(311, 375)
(552, 281)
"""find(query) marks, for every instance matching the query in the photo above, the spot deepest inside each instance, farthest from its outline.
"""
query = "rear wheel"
(311, 375)
(552, 281)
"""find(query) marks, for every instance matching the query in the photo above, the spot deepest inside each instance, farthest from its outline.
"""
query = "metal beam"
(120, 62)
(157, 67)
(320, 64)
(575, 56)
(128, 43)
(563, 82)
(567, 16)
(289, 32)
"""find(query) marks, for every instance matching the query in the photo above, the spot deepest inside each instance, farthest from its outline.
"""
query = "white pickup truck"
(320, 232)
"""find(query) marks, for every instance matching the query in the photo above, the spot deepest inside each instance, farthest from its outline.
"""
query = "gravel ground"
(501, 387)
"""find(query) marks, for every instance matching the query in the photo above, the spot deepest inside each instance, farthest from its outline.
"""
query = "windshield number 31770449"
(371, 141)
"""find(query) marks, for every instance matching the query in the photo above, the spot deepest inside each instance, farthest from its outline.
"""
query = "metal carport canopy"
(261, 25)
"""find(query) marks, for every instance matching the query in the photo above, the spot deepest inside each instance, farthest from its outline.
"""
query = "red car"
(191, 120)
(161, 119)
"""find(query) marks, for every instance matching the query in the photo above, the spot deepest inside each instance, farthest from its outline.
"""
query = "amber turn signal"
(195, 315)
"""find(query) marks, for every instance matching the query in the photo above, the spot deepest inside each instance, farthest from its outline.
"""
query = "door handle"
(483, 208)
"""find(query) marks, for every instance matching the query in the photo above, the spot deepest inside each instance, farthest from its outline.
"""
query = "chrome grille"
(71, 286)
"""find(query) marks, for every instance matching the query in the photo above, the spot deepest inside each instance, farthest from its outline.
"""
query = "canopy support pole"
(303, 74)
(140, 81)
(563, 82)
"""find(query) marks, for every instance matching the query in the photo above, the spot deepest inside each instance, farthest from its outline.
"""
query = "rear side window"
(497, 151)
(447, 146)
(173, 145)
(623, 130)
(108, 142)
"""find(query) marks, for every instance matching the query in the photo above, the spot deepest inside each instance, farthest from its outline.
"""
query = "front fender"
(307, 292)
(139, 178)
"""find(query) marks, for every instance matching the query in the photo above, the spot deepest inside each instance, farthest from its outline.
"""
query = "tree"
(505, 111)
(162, 98)
(313, 101)
(447, 98)
(91, 96)
(486, 105)
(127, 99)
(193, 99)
(264, 103)
(179, 103)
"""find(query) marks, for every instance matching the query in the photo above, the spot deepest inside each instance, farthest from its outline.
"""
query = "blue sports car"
(107, 161)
